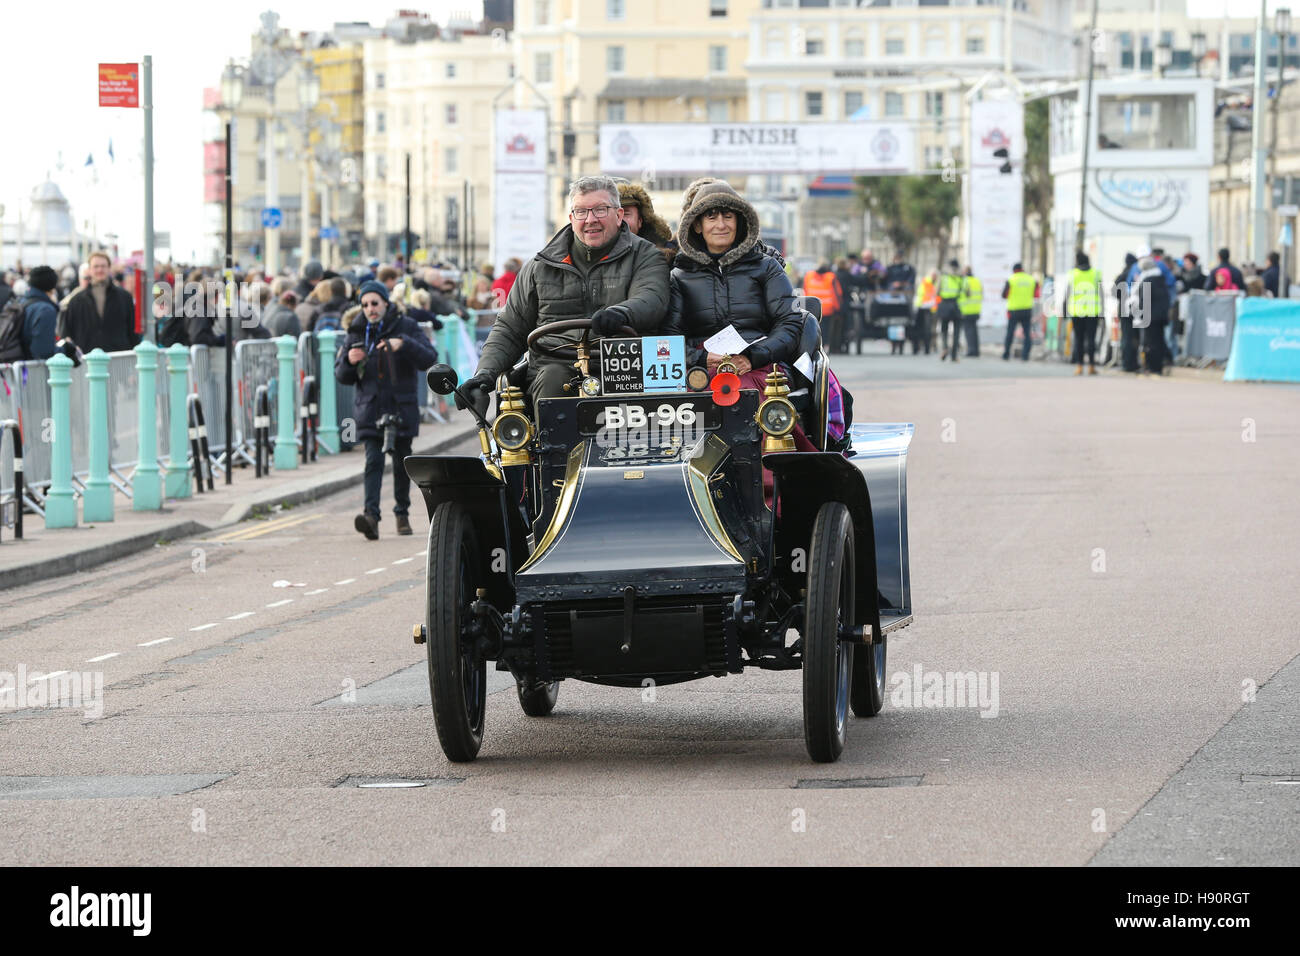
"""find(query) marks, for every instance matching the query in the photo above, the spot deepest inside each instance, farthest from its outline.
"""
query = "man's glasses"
(599, 212)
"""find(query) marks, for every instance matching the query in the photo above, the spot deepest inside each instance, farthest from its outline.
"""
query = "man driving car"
(592, 268)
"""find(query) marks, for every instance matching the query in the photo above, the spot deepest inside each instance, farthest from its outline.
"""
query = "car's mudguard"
(879, 452)
(497, 522)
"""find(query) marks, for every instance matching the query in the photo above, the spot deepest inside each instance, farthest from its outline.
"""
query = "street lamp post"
(1164, 57)
(308, 97)
(1198, 50)
(232, 89)
(1096, 55)
(1282, 27)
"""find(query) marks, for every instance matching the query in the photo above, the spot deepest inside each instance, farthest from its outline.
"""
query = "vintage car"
(623, 536)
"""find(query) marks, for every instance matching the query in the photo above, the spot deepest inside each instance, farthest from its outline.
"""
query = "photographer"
(383, 357)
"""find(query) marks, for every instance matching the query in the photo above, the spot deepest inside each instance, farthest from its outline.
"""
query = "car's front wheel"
(827, 660)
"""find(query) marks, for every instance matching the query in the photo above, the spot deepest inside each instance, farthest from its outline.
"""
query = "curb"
(91, 557)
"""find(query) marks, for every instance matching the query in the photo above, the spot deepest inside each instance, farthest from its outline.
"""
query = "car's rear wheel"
(537, 698)
(827, 660)
(868, 691)
(457, 671)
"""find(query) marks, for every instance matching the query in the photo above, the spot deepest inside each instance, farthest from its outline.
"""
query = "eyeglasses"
(600, 212)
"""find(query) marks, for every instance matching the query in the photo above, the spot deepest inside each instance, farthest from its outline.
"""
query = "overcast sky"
(51, 107)
(51, 58)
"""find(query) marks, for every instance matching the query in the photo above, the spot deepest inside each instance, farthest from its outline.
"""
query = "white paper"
(728, 342)
(804, 364)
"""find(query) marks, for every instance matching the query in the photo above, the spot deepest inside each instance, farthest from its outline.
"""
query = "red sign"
(119, 84)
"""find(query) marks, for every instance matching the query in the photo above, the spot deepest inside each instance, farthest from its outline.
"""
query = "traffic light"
(1002, 154)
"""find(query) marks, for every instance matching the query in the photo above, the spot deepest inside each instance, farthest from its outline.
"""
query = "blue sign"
(271, 217)
(329, 232)
(663, 360)
(1266, 341)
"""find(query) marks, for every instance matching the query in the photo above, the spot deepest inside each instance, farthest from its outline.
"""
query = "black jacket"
(745, 288)
(113, 332)
(386, 381)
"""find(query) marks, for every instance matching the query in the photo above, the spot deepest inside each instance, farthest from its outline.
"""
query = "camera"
(389, 423)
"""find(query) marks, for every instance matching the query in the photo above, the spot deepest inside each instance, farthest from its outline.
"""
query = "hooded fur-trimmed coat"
(653, 227)
(745, 287)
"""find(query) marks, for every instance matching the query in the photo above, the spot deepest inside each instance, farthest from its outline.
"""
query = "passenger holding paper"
(722, 280)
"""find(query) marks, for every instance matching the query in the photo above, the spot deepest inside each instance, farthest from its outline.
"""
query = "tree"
(929, 206)
(1038, 174)
(882, 196)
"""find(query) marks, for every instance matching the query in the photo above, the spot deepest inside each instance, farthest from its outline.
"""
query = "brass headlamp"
(776, 415)
(512, 429)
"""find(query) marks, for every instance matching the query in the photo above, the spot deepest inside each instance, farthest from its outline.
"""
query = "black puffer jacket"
(386, 381)
(745, 287)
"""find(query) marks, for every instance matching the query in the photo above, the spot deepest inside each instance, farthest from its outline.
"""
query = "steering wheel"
(567, 353)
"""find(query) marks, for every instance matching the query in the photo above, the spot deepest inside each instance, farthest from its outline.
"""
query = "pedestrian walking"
(1149, 305)
(1083, 307)
(1020, 290)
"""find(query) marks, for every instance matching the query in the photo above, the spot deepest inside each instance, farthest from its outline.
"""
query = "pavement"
(46, 553)
(1114, 555)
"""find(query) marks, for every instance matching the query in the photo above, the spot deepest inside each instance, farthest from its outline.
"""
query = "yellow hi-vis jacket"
(949, 285)
(1085, 293)
(971, 299)
(927, 296)
(1020, 292)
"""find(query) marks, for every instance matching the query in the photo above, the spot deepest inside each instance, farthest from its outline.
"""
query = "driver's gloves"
(479, 388)
(607, 322)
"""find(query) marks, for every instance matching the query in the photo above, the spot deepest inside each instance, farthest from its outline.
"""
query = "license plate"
(652, 363)
(634, 418)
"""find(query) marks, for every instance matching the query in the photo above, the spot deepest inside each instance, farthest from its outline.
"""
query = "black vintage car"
(624, 536)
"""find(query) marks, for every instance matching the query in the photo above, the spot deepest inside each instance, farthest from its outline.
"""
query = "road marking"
(280, 603)
(374, 570)
(317, 591)
(420, 554)
(102, 657)
(161, 640)
(339, 584)
(244, 534)
(41, 677)
(241, 614)
(203, 627)
(403, 560)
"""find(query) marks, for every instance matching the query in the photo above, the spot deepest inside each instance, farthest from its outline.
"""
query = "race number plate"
(653, 363)
(686, 415)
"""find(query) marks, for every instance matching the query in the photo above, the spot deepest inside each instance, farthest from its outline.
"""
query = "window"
(854, 48)
(852, 102)
(449, 114)
(614, 59)
(773, 106)
(406, 116)
(894, 43)
(936, 43)
(449, 159)
(814, 45)
(1125, 40)
(933, 157)
(717, 59)
(615, 9)
(717, 8)
(451, 71)
(379, 81)
(774, 45)
(893, 104)
(934, 104)
(974, 44)
(1146, 122)
(542, 13)
(261, 128)
(718, 112)
(812, 103)
(542, 67)
(380, 124)
(381, 166)
(616, 111)
(261, 170)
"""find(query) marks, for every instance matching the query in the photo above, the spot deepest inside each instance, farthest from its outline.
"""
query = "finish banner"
(641, 150)
(1266, 341)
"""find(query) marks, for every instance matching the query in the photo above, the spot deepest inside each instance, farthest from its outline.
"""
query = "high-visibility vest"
(822, 285)
(926, 296)
(1021, 294)
(949, 286)
(1085, 292)
(971, 299)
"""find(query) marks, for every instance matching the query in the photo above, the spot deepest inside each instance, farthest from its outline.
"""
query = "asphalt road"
(1118, 554)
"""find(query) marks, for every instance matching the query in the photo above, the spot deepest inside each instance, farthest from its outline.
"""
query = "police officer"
(949, 312)
(1020, 291)
(970, 300)
(1083, 306)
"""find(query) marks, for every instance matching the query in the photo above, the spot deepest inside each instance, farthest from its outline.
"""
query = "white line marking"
(161, 640)
(280, 603)
(202, 627)
(317, 591)
(403, 560)
(420, 554)
(339, 584)
(41, 677)
(374, 570)
(241, 614)
(102, 657)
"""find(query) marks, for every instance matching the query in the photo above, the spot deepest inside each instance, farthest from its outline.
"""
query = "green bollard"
(60, 505)
(97, 503)
(177, 481)
(328, 433)
(286, 450)
(146, 485)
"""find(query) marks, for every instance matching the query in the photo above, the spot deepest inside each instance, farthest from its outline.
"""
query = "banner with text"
(643, 150)
(994, 198)
(519, 185)
(119, 84)
(1265, 342)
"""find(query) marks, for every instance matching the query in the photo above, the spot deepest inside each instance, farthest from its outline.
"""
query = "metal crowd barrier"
(255, 364)
(1209, 319)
